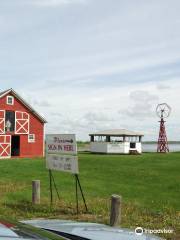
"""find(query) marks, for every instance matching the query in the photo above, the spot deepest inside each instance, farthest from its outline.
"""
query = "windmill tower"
(163, 110)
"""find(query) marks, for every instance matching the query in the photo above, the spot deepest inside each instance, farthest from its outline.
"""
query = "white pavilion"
(116, 141)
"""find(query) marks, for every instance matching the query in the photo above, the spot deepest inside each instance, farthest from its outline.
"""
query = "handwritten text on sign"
(61, 144)
(61, 153)
(63, 163)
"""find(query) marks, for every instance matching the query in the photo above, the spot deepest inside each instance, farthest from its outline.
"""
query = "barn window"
(10, 121)
(31, 138)
(10, 100)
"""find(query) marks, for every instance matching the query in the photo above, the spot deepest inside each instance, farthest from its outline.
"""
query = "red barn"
(21, 127)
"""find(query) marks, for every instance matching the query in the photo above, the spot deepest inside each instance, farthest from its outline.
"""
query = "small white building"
(116, 141)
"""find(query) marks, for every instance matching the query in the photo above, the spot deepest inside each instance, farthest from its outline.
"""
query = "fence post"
(36, 191)
(115, 214)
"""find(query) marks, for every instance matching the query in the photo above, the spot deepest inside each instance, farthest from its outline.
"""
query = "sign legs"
(50, 186)
(82, 194)
(77, 203)
(51, 180)
(77, 184)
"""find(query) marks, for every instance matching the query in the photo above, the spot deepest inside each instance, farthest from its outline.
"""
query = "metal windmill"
(163, 110)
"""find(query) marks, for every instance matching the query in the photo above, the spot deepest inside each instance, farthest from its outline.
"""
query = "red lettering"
(68, 148)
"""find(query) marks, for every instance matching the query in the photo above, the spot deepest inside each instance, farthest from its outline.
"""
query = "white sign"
(65, 163)
(61, 153)
(61, 144)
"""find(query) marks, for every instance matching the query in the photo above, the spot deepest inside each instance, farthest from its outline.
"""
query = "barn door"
(5, 146)
(2, 121)
(21, 123)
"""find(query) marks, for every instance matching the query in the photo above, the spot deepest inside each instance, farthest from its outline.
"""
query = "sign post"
(61, 155)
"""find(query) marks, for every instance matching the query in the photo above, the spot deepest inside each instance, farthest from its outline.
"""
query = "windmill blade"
(163, 110)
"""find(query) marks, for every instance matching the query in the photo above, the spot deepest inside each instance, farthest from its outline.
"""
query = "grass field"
(149, 184)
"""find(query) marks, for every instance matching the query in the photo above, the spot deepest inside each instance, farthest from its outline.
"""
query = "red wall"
(34, 149)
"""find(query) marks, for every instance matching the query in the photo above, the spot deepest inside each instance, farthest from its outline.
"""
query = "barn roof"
(16, 95)
(116, 133)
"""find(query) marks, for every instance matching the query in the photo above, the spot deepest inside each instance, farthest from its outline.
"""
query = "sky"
(90, 65)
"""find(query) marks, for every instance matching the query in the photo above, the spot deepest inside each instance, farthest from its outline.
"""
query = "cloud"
(34, 101)
(39, 103)
(82, 124)
(55, 3)
(142, 105)
(93, 117)
(162, 86)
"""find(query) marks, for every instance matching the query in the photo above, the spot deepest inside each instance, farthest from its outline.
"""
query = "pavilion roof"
(117, 133)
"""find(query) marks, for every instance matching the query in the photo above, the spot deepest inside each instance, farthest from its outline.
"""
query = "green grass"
(149, 185)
